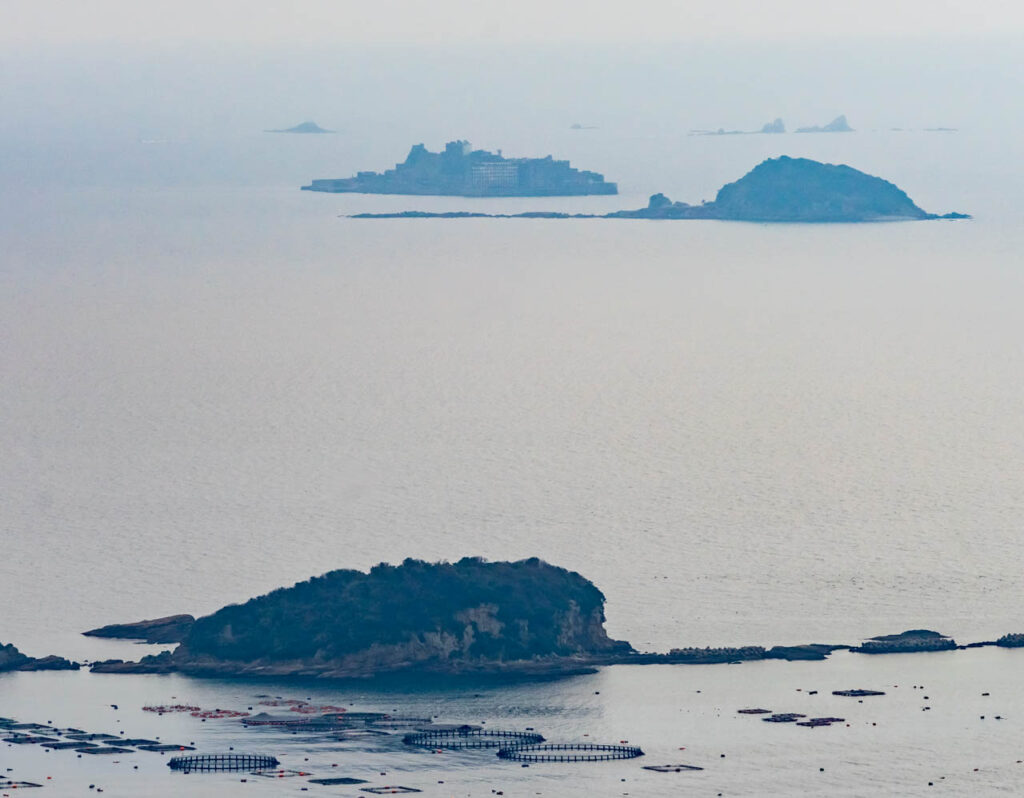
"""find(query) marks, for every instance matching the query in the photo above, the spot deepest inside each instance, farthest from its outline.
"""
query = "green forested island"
(779, 189)
(525, 618)
(466, 616)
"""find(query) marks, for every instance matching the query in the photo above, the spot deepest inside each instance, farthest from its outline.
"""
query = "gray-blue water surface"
(743, 434)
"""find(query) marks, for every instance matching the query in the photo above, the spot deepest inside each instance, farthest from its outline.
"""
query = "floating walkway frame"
(471, 738)
(214, 762)
(569, 752)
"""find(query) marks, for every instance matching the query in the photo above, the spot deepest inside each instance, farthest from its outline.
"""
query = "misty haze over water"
(743, 434)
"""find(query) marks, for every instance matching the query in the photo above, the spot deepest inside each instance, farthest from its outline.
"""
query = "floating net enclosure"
(215, 762)
(470, 738)
(569, 752)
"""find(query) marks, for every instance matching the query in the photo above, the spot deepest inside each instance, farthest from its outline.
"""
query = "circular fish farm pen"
(569, 752)
(219, 762)
(471, 738)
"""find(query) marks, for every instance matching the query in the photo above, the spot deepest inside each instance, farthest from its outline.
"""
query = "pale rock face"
(484, 618)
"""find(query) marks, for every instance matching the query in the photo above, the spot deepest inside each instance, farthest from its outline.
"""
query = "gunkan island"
(464, 172)
(525, 619)
(779, 189)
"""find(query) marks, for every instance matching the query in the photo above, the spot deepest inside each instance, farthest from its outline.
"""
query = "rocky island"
(13, 660)
(462, 171)
(304, 127)
(776, 190)
(837, 125)
(172, 629)
(775, 126)
(470, 616)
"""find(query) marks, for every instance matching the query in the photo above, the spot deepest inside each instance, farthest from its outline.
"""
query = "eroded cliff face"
(585, 634)
(579, 636)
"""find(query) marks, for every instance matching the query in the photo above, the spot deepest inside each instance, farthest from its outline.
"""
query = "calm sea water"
(743, 434)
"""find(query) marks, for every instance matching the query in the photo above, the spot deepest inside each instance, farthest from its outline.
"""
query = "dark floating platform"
(76, 744)
(17, 785)
(754, 711)
(103, 750)
(857, 693)
(279, 774)
(28, 739)
(162, 747)
(671, 768)
(816, 722)
(388, 790)
(784, 717)
(136, 742)
(87, 736)
(337, 781)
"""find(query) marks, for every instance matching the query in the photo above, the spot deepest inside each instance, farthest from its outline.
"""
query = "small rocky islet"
(11, 659)
(302, 127)
(170, 629)
(782, 190)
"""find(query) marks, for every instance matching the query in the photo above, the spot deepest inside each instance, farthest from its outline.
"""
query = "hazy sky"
(44, 22)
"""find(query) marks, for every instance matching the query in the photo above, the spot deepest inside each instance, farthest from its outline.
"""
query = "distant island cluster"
(837, 125)
(779, 189)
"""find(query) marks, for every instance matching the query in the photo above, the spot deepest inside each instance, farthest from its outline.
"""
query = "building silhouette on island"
(462, 171)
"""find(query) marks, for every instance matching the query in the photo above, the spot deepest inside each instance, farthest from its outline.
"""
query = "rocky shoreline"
(171, 629)
(13, 660)
(910, 642)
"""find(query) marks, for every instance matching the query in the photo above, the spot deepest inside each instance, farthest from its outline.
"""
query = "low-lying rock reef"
(911, 641)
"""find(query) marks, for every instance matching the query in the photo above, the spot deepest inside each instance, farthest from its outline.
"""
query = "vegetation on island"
(440, 613)
(779, 189)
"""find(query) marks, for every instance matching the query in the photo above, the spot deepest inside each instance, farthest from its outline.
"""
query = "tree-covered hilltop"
(446, 615)
(801, 190)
